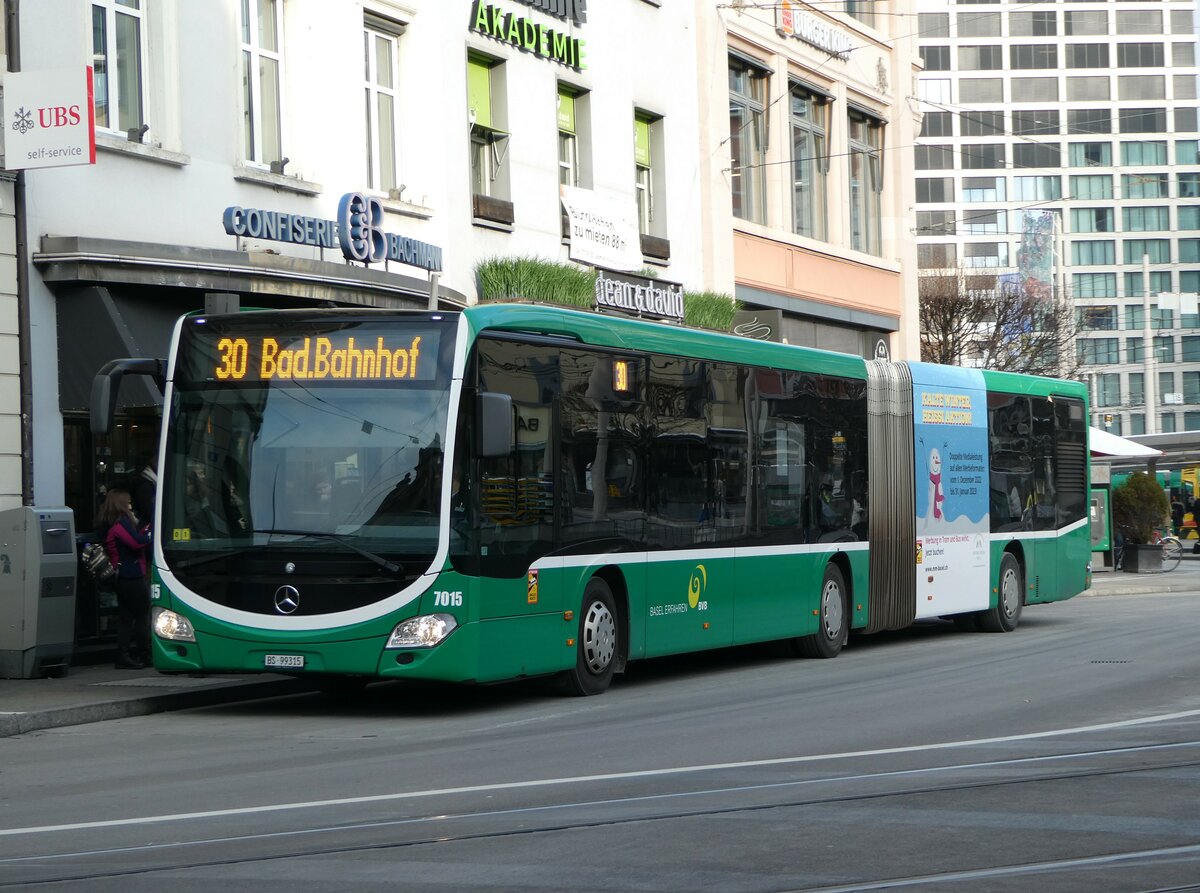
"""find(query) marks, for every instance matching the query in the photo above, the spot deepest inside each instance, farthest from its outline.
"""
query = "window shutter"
(566, 111)
(641, 142)
(479, 92)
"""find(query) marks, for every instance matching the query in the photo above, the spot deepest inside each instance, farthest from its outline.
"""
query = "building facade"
(233, 135)
(1068, 131)
(805, 159)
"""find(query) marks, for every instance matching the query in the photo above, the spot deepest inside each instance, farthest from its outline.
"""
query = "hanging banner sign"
(51, 118)
(604, 230)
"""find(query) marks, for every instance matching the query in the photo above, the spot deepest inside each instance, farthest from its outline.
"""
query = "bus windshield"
(307, 435)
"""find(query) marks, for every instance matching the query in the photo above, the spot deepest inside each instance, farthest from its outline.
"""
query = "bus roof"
(1033, 385)
(611, 330)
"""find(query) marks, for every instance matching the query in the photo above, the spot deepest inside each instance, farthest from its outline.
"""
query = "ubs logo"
(287, 599)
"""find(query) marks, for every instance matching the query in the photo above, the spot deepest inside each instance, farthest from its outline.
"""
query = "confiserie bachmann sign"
(639, 295)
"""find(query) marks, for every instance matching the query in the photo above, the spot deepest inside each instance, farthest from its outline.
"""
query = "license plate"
(284, 661)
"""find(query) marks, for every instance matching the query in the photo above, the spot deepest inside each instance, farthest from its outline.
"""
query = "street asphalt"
(96, 693)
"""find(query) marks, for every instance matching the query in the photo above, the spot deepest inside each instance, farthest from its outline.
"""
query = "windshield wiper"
(389, 566)
(205, 559)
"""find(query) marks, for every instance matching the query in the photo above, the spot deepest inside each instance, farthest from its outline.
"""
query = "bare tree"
(995, 323)
(954, 309)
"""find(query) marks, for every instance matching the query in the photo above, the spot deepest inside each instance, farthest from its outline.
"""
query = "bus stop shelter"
(1107, 449)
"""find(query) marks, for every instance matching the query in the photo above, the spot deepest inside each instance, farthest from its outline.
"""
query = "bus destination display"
(403, 356)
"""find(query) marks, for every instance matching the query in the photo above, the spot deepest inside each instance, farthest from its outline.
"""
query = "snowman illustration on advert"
(936, 496)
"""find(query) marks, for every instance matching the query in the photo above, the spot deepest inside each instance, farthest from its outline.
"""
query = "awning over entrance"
(1103, 445)
(96, 325)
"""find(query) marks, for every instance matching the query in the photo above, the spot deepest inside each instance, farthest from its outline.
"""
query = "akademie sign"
(50, 120)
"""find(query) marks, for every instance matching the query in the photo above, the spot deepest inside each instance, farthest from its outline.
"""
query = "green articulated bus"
(515, 490)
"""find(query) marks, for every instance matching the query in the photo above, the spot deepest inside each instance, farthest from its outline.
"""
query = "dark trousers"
(133, 616)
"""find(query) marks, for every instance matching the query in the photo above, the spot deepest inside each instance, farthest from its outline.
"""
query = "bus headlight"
(422, 632)
(176, 627)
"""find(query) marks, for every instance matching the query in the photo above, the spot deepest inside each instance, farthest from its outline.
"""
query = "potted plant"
(1140, 507)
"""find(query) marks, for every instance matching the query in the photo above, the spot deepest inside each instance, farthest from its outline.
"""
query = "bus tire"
(1005, 616)
(833, 619)
(598, 643)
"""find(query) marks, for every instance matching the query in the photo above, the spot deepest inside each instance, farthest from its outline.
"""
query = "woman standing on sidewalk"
(127, 542)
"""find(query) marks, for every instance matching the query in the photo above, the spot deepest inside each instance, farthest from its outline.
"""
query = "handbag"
(98, 565)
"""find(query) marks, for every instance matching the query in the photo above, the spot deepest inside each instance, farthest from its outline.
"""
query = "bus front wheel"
(833, 621)
(597, 643)
(1005, 616)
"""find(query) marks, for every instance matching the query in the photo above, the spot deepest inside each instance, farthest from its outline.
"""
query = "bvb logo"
(696, 585)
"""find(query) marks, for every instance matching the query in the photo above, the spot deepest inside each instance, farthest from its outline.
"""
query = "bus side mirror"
(495, 427)
(107, 384)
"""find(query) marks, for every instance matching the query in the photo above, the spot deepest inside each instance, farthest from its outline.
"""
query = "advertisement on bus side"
(951, 459)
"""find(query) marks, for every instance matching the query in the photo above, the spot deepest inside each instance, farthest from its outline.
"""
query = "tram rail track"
(40, 868)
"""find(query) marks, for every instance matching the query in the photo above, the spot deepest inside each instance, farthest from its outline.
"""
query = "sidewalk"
(97, 693)
(1185, 578)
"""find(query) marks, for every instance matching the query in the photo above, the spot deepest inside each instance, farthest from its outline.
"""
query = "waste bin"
(37, 591)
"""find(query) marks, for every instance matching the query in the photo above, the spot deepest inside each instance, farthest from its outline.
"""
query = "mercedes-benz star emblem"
(287, 599)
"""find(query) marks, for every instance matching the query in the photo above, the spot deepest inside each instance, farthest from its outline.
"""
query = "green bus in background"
(513, 491)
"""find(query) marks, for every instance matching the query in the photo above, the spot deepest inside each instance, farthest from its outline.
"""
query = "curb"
(34, 721)
(1142, 584)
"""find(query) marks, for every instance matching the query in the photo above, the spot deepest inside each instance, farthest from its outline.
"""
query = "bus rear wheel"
(1005, 616)
(598, 642)
(833, 619)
